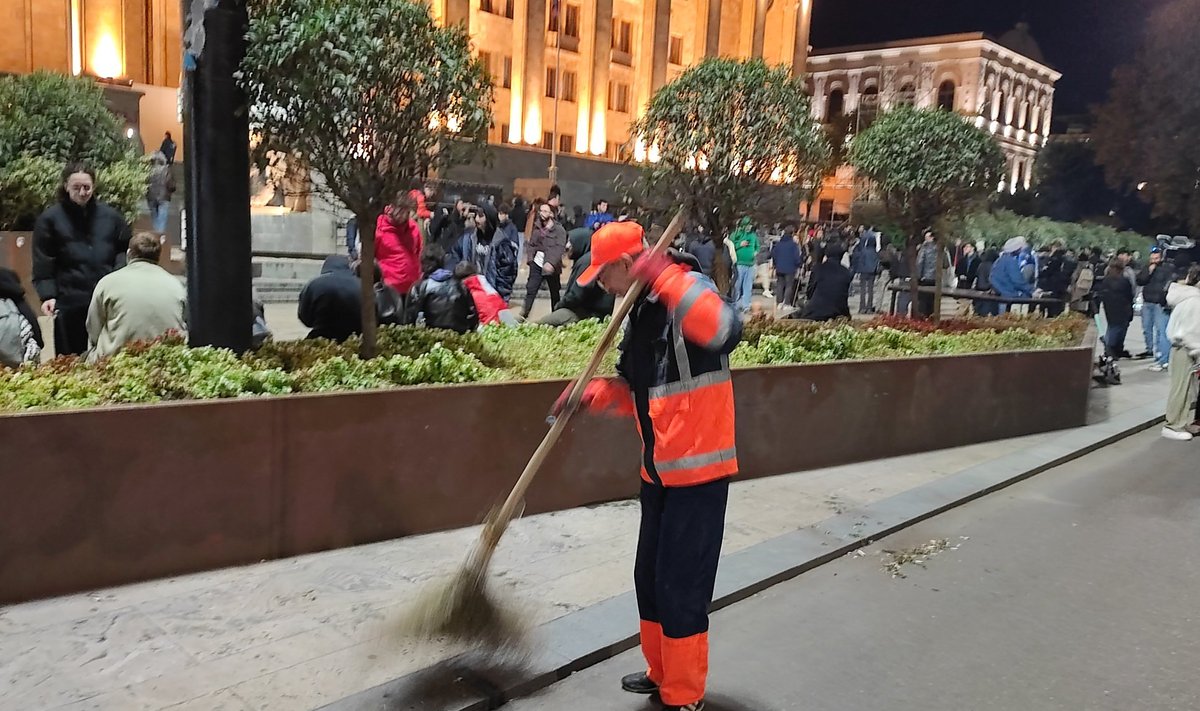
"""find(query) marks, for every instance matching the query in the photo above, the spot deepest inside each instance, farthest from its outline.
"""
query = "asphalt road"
(1076, 590)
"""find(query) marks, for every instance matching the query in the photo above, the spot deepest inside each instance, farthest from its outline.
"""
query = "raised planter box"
(103, 497)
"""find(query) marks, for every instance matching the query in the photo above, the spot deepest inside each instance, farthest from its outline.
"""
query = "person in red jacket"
(421, 199)
(488, 302)
(398, 245)
(681, 397)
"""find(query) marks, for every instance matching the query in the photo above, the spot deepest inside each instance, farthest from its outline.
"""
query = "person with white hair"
(1006, 277)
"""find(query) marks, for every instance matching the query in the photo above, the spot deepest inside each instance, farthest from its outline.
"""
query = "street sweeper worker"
(675, 382)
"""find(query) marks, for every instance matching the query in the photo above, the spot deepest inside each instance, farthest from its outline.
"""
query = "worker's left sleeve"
(705, 318)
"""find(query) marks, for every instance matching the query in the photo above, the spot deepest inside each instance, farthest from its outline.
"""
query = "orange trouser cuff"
(652, 650)
(685, 669)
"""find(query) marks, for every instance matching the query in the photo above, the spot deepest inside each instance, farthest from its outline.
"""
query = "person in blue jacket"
(787, 259)
(1007, 279)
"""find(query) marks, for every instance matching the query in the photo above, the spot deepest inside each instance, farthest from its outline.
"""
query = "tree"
(727, 139)
(372, 95)
(927, 165)
(48, 120)
(1147, 133)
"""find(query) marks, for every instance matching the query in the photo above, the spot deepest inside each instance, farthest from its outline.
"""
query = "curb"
(594, 634)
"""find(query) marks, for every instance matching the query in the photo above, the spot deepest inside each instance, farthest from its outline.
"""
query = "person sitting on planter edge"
(20, 334)
(139, 302)
(489, 304)
(580, 302)
(439, 298)
(829, 290)
(331, 304)
(1006, 277)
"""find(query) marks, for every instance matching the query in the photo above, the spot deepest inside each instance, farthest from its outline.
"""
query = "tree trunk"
(937, 286)
(366, 271)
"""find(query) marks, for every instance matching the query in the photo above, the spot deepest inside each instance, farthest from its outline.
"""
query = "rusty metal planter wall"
(103, 497)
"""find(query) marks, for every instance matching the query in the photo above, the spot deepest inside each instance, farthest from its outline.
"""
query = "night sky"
(1084, 39)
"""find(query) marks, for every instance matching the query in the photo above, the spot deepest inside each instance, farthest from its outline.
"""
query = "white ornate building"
(1003, 86)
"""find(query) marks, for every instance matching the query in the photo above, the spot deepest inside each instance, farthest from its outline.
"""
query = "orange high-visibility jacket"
(675, 358)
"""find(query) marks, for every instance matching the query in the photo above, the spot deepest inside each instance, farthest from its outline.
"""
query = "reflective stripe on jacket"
(675, 358)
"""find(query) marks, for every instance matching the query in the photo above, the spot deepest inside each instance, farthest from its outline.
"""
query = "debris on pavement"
(895, 561)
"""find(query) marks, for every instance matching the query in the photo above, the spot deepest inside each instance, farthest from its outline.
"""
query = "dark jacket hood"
(834, 253)
(581, 241)
(684, 258)
(441, 275)
(336, 263)
(10, 285)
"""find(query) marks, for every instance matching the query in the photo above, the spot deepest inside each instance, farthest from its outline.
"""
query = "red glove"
(607, 396)
(649, 266)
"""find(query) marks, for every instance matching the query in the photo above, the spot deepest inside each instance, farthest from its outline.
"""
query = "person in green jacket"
(745, 243)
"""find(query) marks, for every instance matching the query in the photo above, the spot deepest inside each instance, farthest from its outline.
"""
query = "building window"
(835, 105)
(504, 129)
(506, 73)
(675, 51)
(945, 98)
(485, 58)
(623, 37)
(618, 97)
(907, 95)
(868, 106)
(568, 86)
(571, 22)
(497, 7)
(547, 140)
(566, 143)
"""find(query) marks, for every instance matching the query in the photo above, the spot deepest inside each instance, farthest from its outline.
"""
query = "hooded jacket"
(983, 275)
(331, 304)
(10, 288)
(492, 250)
(1116, 294)
(829, 292)
(444, 301)
(584, 301)
(398, 252)
(74, 248)
(1007, 279)
(744, 233)
(1183, 329)
(786, 256)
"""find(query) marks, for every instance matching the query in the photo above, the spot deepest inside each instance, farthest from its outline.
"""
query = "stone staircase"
(280, 279)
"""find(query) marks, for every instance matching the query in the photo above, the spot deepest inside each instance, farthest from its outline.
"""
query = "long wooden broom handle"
(496, 526)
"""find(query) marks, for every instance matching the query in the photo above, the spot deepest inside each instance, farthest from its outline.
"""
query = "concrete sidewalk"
(299, 633)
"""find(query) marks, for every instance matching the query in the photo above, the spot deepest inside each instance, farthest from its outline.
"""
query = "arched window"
(945, 96)
(907, 95)
(835, 104)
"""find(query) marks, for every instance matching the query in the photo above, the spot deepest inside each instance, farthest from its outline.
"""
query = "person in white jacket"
(1183, 331)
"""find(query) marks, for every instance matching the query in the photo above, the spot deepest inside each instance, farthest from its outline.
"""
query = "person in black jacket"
(331, 304)
(829, 291)
(983, 282)
(580, 302)
(1116, 295)
(440, 297)
(1154, 278)
(1055, 280)
(76, 242)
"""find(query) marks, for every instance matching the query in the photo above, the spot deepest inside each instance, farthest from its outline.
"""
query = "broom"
(462, 608)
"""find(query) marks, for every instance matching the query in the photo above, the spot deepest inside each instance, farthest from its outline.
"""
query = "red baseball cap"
(609, 244)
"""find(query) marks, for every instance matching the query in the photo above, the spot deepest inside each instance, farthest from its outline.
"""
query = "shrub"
(48, 120)
(166, 369)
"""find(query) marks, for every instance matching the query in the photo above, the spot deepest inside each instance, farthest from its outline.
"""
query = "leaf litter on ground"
(895, 560)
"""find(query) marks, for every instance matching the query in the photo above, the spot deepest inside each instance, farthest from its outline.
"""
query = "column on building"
(1047, 114)
(596, 112)
(853, 91)
(819, 99)
(760, 27)
(926, 92)
(1010, 92)
(534, 71)
(800, 49)
(708, 28)
(516, 92)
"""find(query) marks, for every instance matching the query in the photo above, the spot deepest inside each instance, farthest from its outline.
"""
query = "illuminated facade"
(1003, 86)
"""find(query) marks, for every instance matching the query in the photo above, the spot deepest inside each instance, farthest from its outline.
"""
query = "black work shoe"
(638, 684)
(697, 706)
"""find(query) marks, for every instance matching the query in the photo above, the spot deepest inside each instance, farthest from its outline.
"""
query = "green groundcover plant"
(167, 370)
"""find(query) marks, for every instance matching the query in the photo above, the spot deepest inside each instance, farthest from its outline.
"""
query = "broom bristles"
(464, 609)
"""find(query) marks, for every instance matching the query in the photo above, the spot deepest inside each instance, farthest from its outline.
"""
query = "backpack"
(12, 344)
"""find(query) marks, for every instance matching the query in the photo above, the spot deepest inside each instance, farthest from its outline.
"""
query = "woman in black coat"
(1116, 295)
(76, 242)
